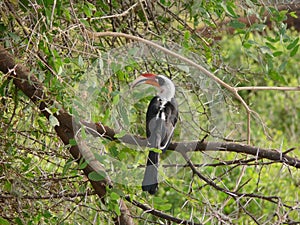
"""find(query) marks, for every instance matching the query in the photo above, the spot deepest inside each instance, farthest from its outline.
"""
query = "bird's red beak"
(146, 78)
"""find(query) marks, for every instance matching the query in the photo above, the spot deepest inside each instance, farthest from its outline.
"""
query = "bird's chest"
(161, 114)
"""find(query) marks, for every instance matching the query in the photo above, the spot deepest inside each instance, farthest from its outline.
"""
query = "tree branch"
(259, 153)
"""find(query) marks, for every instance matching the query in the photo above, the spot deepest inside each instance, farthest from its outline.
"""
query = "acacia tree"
(49, 175)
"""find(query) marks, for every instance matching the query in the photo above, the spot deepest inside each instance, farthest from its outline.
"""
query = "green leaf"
(41, 123)
(155, 150)
(276, 76)
(164, 207)
(4, 221)
(236, 24)
(72, 142)
(7, 186)
(258, 27)
(122, 155)
(67, 166)
(47, 214)
(114, 196)
(87, 11)
(91, 6)
(18, 221)
(67, 14)
(117, 209)
(116, 99)
(277, 53)
(124, 115)
(80, 61)
(270, 46)
(247, 44)
(82, 164)
(229, 8)
(282, 66)
(83, 133)
(161, 203)
(266, 50)
(293, 14)
(294, 51)
(293, 44)
(274, 40)
(84, 22)
(113, 150)
(97, 176)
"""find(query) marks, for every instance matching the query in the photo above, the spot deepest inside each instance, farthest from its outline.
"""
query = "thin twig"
(266, 88)
(114, 15)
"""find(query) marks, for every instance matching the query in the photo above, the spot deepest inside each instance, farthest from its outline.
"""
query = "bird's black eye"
(160, 81)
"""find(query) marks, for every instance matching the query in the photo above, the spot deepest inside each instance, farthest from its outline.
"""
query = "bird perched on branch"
(161, 118)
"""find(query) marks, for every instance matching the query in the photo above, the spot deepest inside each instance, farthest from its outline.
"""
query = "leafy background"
(249, 43)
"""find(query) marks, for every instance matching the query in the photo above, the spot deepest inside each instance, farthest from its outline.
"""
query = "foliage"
(40, 183)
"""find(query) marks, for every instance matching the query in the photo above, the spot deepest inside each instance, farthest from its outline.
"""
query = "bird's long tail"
(150, 181)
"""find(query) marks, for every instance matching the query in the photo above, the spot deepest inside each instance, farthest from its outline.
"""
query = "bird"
(161, 119)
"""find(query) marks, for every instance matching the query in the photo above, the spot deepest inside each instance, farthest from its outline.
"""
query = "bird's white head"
(165, 87)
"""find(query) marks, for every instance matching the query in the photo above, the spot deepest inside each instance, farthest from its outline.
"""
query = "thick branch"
(271, 154)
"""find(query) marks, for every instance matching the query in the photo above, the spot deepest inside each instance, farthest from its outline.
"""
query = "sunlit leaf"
(114, 196)
(4, 221)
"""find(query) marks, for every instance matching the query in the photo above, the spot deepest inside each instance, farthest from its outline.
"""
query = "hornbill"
(161, 118)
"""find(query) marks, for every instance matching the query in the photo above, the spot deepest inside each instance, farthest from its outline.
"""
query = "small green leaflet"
(116, 99)
(72, 142)
(294, 51)
(236, 24)
(114, 196)
(293, 44)
(4, 221)
(155, 150)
